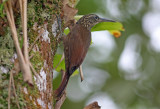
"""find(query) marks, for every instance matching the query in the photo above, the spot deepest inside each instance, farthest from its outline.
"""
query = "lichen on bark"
(41, 15)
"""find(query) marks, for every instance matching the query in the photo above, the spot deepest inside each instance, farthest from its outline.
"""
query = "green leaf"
(56, 61)
(108, 26)
(113, 27)
(75, 73)
(77, 17)
(66, 31)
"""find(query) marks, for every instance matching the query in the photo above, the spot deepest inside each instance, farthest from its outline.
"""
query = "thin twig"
(35, 73)
(30, 57)
(9, 92)
(81, 73)
(59, 61)
(39, 35)
(14, 90)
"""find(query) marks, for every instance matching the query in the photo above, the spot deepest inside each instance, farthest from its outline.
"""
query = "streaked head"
(90, 20)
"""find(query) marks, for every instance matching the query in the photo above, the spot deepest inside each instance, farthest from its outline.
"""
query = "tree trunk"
(44, 33)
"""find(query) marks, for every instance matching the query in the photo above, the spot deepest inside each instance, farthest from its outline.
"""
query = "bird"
(76, 45)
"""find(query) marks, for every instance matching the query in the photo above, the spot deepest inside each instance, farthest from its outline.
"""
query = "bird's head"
(90, 20)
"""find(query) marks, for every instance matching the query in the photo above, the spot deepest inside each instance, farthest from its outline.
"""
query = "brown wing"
(76, 45)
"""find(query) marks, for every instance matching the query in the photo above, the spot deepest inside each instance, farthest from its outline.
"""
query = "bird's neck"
(84, 24)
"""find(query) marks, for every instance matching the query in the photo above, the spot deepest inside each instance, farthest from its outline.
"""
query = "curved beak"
(106, 20)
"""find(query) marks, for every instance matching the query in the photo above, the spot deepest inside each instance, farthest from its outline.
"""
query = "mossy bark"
(41, 15)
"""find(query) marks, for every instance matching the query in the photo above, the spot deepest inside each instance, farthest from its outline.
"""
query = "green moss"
(37, 61)
(6, 49)
(4, 82)
(39, 11)
(3, 92)
(32, 36)
(23, 98)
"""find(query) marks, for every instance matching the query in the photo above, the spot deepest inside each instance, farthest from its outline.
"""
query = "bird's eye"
(96, 17)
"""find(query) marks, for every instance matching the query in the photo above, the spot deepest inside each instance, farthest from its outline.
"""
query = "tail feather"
(62, 86)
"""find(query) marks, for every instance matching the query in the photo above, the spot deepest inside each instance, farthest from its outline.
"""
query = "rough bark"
(42, 38)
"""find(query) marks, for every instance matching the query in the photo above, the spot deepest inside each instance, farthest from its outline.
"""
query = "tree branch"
(24, 20)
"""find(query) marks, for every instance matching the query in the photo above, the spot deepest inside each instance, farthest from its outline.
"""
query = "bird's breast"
(76, 45)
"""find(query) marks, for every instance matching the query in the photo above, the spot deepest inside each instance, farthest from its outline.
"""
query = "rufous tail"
(63, 85)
